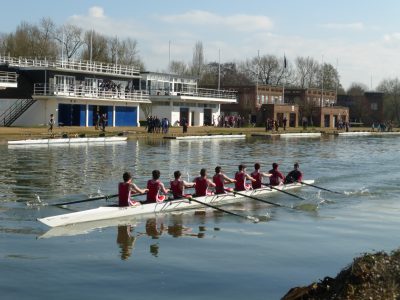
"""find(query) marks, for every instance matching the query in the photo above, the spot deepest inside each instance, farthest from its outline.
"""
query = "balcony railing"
(197, 92)
(8, 77)
(72, 65)
(85, 92)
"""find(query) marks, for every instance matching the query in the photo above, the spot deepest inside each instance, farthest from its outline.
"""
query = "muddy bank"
(371, 276)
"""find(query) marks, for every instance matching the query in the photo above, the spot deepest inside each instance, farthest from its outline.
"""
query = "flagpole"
(219, 69)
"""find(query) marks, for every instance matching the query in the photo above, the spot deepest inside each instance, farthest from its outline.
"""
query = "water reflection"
(125, 240)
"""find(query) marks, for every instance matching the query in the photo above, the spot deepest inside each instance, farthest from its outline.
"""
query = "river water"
(202, 254)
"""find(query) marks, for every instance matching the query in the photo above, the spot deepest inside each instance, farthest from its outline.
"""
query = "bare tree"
(70, 38)
(96, 47)
(391, 88)
(198, 59)
(306, 72)
(179, 68)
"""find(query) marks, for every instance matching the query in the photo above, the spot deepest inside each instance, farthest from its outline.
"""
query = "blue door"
(125, 116)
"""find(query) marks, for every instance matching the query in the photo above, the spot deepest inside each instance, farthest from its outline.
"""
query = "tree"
(356, 93)
(198, 59)
(306, 72)
(229, 75)
(179, 68)
(391, 88)
(70, 38)
(96, 47)
(328, 77)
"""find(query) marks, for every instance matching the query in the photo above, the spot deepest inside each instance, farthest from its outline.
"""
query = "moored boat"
(111, 212)
(69, 140)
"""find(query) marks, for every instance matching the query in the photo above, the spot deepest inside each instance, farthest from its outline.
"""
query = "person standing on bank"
(51, 123)
(276, 177)
(294, 176)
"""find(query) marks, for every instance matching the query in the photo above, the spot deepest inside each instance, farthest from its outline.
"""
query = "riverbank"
(18, 133)
(370, 276)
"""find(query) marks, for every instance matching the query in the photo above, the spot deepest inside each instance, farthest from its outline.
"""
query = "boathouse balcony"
(78, 66)
(8, 80)
(43, 91)
(195, 94)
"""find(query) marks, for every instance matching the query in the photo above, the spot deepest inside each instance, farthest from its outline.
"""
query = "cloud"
(96, 12)
(392, 37)
(237, 22)
(344, 26)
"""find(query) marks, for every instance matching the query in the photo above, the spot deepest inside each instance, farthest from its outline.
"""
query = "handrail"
(74, 65)
(198, 92)
(15, 110)
(8, 77)
(82, 91)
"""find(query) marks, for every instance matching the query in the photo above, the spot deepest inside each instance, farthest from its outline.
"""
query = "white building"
(178, 98)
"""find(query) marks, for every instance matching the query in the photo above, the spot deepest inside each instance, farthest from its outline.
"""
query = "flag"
(284, 61)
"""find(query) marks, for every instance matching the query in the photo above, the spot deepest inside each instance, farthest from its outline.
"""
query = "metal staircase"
(12, 113)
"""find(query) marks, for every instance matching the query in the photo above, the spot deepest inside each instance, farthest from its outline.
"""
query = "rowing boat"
(112, 212)
(68, 140)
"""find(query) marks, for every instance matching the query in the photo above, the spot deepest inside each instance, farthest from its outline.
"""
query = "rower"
(178, 186)
(124, 191)
(277, 177)
(155, 186)
(220, 179)
(258, 176)
(202, 184)
(295, 175)
(241, 176)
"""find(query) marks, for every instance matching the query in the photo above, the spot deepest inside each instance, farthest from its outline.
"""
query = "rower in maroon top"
(124, 191)
(241, 176)
(277, 177)
(294, 176)
(155, 186)
(220, 179)
(202, 184)
(258, 176)
(178, 186)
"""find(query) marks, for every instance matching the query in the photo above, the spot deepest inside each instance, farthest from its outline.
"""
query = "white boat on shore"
(112, 212)
(207, 137)
(72, 140)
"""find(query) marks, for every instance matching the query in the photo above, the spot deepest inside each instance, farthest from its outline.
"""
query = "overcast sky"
(361, 38)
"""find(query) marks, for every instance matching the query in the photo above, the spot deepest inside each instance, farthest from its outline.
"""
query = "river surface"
(202, 254)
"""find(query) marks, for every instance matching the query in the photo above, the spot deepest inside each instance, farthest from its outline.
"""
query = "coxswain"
(241, 176)
(155, 186)
(124, 191)
(202, 184)
(258, 176)
(178, 186)
(276, 177)
(295, 175)
(220, 179)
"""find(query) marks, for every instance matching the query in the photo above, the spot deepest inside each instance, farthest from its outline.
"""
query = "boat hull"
(111, 212)
(69, 140)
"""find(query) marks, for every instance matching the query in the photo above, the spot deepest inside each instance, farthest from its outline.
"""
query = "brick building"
(364, 109)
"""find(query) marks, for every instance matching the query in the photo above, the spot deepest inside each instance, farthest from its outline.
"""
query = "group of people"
(155, 125)
(156, 190)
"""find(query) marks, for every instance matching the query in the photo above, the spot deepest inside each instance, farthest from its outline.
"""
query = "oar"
(257, 199)
(86, 200)
(255, 220)
(287, 193)
(321, 188)
(94, 199)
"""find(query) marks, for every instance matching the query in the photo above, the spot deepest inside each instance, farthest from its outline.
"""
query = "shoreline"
(21, 133)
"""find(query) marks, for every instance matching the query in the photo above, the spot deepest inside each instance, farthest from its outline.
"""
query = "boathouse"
(76, 92)
(179, 99)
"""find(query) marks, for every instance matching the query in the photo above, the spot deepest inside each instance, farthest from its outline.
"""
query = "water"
(206, 255)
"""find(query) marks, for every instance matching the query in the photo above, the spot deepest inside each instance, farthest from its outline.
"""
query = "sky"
(360, 38)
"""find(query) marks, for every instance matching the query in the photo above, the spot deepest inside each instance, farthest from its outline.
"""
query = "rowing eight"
(111, 212)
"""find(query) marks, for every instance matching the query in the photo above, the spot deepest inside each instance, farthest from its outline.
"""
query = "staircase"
(15, 111)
